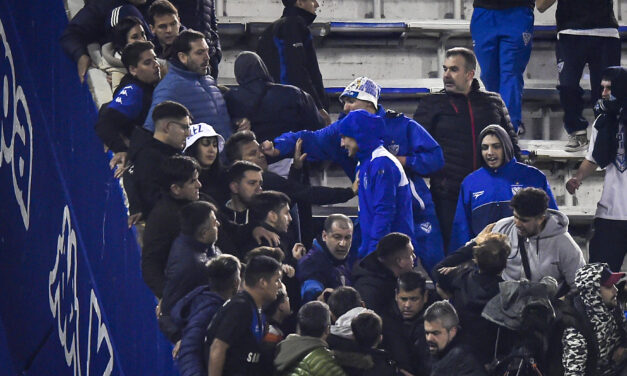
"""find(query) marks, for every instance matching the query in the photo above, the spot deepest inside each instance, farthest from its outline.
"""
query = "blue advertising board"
(72, 300)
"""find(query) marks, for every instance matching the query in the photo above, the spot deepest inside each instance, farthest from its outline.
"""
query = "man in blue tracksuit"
(502, 33)
(485, 194)
(404, 138)
(384, 192)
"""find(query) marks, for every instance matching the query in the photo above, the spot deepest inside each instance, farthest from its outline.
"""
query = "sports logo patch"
(476, 195)
(526, 38)
(560, 66)
(394, 148)
(516, 188)
(426, 227)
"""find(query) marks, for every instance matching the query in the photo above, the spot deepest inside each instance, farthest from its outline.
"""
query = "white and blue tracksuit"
(384, 192)
(403, 137)
(502, 40)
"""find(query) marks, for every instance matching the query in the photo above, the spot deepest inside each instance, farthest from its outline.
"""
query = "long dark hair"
(121, 30)
(215, 168)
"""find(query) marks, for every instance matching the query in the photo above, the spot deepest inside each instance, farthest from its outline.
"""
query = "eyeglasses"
(183, 126)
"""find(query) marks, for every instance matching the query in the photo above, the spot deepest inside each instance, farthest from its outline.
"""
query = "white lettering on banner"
(65, 305)
(20, 159)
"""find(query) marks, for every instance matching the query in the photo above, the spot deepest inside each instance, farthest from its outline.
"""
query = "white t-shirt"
(613, 203)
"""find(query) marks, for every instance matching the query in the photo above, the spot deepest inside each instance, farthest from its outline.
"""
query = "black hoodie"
(286, 47)
(272, 109)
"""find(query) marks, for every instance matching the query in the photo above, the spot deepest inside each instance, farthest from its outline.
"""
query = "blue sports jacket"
(485, 195)
(384, 191)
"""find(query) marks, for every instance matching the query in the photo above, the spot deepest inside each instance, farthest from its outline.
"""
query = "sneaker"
(577, 141)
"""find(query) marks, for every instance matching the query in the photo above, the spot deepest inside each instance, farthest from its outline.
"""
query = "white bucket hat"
(200, 130)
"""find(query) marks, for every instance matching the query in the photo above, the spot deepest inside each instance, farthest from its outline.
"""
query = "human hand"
(158, 309)
(487, 230)
(267, 147)
(243, 124)
(288, 270)
(619, 355)
(83, 64)
(325, 116)
(175, 350)
(133, 219)
(572, 185)
(355, 186)
(299, 156)
(447, 269)
(298, 251)
(119, 159)
(401, 159)
(272, 238)
(324, 295)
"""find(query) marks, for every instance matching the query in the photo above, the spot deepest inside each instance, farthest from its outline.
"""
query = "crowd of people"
(219, 177)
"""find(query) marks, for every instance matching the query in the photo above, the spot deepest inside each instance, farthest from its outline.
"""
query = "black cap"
(289, 3)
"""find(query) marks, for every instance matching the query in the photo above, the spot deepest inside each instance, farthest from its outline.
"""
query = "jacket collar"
(296, 11)
(181, 70)
(501, 170)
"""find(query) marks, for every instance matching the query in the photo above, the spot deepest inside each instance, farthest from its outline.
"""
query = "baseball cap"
(609, 278)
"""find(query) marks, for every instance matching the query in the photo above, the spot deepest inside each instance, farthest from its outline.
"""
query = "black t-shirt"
(241, 325)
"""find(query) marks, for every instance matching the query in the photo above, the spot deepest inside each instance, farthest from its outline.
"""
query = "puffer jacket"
(305, 356)
(485, 194)
(552, 252)
(192, 314)
(286, 47)
(455, 122)
(384, 190)
(606, 324)
(318, 270)
(198, 93)
(272, 108)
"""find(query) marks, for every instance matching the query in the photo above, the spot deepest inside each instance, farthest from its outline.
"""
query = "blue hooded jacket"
(192, 314)
(384, 191)
(485, 194)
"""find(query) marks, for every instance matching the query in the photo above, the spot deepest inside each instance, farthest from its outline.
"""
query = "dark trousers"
(609, 242)
(573, 52)
(445, 210)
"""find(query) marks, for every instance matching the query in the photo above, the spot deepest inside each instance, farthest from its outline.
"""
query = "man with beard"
(594, 338)
(245, 181)
(325, 266)
(449, 357)
(188, 82)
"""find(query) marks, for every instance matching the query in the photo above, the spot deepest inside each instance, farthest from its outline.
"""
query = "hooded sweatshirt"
(304, 355)
(552, 252)
(605, 324)
(485, 194)
(272, 108)
(384, 191)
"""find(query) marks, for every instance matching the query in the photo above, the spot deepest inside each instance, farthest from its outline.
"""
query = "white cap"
(363, 88)
(200, 130)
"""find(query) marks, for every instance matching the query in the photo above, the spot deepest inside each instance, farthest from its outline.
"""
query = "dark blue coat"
(272, 108)
(192, 314)
(318, 270)
(186, 269)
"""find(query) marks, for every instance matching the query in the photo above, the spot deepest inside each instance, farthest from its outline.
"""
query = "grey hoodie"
(552, 252)
(501, 134)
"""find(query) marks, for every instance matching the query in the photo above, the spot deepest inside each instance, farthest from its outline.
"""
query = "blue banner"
(72, 298)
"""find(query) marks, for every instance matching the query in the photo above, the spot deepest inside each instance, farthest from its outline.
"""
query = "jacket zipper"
(474, 137)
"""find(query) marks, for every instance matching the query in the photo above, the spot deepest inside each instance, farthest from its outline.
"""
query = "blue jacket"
(192, 314)
(198, 93)
(384, 190)
(402, 136)
(485, 195)
(318, 270)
